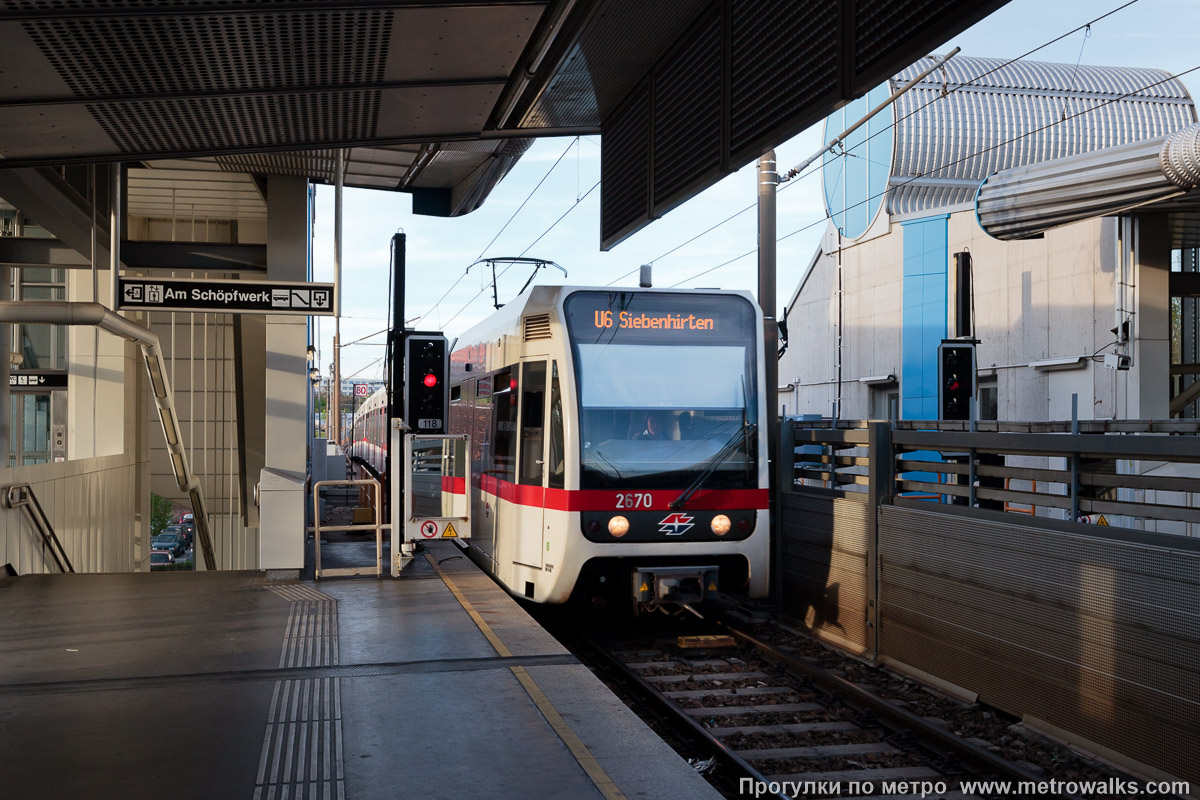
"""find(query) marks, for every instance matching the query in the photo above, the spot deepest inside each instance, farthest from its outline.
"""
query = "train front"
(672, 459)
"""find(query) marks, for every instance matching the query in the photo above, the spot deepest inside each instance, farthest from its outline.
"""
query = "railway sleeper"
(788, 728)
(818, 751)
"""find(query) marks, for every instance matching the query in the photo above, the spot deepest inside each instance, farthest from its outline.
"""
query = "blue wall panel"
(926, 260)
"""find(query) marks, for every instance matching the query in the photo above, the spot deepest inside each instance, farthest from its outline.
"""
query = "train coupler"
(674, 586)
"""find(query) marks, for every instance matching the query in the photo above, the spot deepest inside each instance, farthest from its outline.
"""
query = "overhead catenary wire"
(992, 71)
(504, 227)
(797, 174)
(947, 165)
(526, 250)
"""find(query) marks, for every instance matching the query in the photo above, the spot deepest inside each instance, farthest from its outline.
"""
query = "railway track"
(780, 726)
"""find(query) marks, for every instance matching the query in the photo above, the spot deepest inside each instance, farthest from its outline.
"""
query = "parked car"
(171, 542)
(160, 559)
(184, 530)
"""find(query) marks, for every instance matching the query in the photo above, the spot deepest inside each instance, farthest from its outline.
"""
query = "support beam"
(1185, 284)
(204, 257)
(45, 196)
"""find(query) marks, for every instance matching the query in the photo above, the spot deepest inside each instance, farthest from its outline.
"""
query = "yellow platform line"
(578, 749)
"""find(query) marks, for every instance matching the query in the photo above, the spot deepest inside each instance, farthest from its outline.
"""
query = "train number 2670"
(634, 500)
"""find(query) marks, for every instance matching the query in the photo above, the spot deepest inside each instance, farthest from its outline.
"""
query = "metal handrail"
(20, 495)
(94, 314)
(378, 527)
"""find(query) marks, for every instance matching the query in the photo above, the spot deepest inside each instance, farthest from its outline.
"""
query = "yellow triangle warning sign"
(644, 588)
(712, 587)
(449, 533)
(1102, 521)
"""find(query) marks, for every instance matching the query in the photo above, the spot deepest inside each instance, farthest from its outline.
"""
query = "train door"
(531, 464)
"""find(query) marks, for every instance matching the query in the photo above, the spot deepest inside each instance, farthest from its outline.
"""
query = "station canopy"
(440, 98)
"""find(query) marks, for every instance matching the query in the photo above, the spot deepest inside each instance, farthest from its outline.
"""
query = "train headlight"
(618, 526)
(720, 525)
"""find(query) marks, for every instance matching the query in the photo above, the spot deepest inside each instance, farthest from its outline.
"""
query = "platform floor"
(203, 685)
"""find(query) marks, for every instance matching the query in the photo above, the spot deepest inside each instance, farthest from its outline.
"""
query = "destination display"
(678, 322)
(226, 297)
(658, 317)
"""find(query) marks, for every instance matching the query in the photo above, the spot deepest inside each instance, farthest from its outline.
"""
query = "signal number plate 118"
(634, 500)
(428, 424)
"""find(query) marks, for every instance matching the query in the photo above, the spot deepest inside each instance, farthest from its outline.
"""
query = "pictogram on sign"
(449, 533)
(429, 529)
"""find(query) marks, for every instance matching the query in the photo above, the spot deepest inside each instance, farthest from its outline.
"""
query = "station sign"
(36, 381)
(226, 296)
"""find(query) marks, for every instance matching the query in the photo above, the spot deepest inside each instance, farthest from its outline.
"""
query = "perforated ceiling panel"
(787, 70)
(230, 56)
(687, 99)
(887, 33)
(764, 71)
(624, 167)
(149, 55)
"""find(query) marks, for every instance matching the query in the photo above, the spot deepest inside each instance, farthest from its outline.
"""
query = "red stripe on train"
(609, 500)
(453, 485)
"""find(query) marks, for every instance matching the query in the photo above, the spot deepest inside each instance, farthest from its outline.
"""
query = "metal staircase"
(21, 496)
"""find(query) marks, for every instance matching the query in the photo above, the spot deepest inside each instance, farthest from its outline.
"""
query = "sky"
(443, 295)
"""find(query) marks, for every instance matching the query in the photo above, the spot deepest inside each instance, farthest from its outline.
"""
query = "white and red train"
(615, 444)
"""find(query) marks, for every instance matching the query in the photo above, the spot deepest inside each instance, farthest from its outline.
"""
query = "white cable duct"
(96, 315)
(1024, 201)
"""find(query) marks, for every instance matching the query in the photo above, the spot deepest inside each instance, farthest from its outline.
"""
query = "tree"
(160, 513)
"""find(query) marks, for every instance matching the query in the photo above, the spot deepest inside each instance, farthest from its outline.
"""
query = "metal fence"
(1022, 563)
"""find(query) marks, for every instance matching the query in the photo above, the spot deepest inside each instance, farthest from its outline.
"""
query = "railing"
(1117, 472)
(377, 526)
(21, 496)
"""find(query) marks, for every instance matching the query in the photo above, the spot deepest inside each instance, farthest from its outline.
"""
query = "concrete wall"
(1035, 300)
(93, 506)
(98, 500)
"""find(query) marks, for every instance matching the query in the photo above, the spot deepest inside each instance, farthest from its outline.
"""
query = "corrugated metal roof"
(977, 116)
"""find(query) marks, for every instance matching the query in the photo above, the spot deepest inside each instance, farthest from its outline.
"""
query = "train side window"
(533, 421)
(503, 460)
(557, 460)
(477, 423)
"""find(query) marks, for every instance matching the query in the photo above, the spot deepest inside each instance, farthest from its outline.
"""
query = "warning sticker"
(449, 533)
(429, 529)
(1102, 521)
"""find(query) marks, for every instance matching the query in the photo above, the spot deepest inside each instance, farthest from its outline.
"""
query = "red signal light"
(512, 384)
(953, 386)
(430, 380)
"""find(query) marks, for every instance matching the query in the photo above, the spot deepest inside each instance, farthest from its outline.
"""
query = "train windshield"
(667, 388)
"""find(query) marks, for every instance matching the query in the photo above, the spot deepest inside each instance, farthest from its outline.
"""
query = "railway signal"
(956, 379)
(426, 391)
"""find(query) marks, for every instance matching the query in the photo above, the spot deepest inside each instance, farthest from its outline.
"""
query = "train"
(615, 444)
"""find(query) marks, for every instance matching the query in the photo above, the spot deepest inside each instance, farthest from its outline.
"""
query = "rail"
(318, 528)
(21, 496)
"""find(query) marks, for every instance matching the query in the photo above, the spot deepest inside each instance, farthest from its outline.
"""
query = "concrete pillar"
(96, 369)
(1150, 382)
(281, 485)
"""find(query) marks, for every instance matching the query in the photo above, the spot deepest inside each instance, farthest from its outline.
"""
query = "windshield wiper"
(740, 435)
(611, 465)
